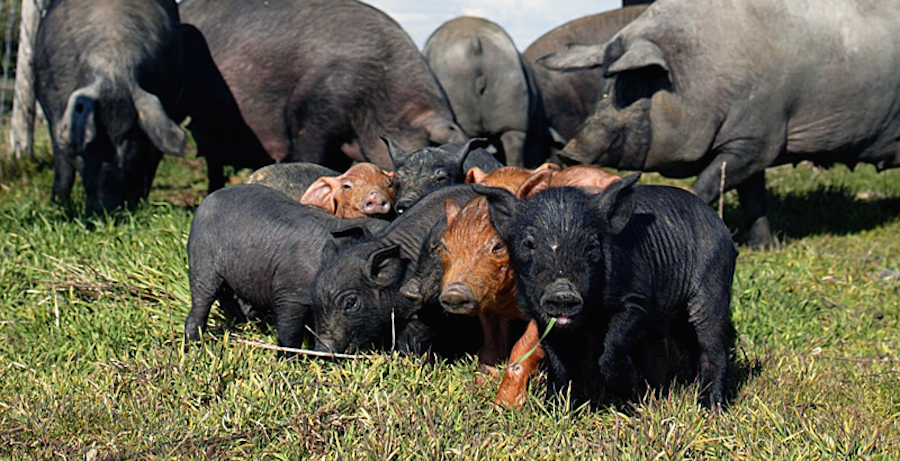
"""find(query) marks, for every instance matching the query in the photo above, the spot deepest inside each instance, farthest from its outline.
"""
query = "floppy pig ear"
(616, 204)
(501, 204)
(574, 57)
(385, 266)
(398, 155)
(636, 55)
(352, 229)
(321, 194)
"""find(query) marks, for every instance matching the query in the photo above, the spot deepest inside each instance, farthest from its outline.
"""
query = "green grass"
(92, 363)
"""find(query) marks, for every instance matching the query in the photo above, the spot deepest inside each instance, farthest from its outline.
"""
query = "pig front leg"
(617, 370)
(511, 393)
(496, 341)
(745, 165)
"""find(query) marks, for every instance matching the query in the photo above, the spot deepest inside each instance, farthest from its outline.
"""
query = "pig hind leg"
(710, 350)
(204, 288)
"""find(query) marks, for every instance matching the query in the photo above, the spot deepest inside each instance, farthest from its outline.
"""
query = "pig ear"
(385, 266)
(636, 55)
(153, 120)
(500, 205)
(475, 175)
(574, 57)
(470, 145)
(538, 181)
(321, 194)
(616, 204)
(451, 209)
(398, 155)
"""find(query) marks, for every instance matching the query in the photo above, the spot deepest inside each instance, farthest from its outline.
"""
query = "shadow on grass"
(827, 210)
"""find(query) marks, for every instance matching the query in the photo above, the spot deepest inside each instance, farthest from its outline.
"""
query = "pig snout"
(562, 301)
(376, 202)
(458, 298)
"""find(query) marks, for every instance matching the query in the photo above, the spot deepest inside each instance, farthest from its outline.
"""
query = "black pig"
(620, 273)
(358, 298)
(425, 170)
(259, 245)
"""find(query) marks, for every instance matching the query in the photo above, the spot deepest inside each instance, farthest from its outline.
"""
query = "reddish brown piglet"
(363, 190)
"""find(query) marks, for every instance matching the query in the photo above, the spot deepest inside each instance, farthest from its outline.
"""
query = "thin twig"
(722, 192)
(272, 347)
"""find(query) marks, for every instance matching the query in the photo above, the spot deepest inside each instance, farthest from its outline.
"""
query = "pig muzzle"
(404, 203)
(458, 298)
(376, 203)
(562, 301)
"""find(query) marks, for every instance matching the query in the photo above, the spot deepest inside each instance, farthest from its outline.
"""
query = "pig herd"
(418, 201)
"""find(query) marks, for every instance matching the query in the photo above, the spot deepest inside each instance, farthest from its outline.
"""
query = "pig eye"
(440, 176)
(499, 248)
(347, 186)
(351, 303)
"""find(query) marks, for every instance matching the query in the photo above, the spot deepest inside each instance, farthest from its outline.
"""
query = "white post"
(21, 123)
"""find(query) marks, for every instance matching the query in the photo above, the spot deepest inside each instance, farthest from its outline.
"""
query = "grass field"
(92, 364)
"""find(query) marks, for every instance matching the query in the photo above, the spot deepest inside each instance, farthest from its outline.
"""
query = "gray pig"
(319, 80)
(620, 273)
(698, 88)
(106, 74)
(260, 246)
(569, 97)
(490, 88)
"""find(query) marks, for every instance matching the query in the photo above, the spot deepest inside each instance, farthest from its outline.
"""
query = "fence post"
(21, 123)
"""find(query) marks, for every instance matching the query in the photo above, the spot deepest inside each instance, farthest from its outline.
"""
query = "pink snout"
(376, 202)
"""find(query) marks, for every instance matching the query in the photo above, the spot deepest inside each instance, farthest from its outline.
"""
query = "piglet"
(591, 178)
(258, 245)
(363, 190)
(620, 273)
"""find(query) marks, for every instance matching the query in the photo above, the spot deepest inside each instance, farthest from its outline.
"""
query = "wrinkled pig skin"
(257, 245)
(620, 273)
(109, 95)
(698, 89)
(319, 81)
(364, 190)
(491, 89)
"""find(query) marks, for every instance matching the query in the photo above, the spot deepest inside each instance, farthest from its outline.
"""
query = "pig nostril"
(458, 300)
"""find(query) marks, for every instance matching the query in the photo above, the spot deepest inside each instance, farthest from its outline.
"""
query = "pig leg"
(289, 323)
(63, 176)
(616, 367)
(511, 393)
(745, 163)
(752, 195)
(496, 340)
(713, 338)
(204, 285)
(514, 147)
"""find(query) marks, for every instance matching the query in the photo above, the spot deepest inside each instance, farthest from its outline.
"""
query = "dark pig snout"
(561, 300)
(458, 298)
(404, 203)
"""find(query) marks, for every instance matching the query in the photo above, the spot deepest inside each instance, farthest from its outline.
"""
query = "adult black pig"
(106, 74)
(424, 170)
(569, 97)
(741, 85)
(620, 272)
(357, 293)
(491, 89)
(318, 79)
(259, 245)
